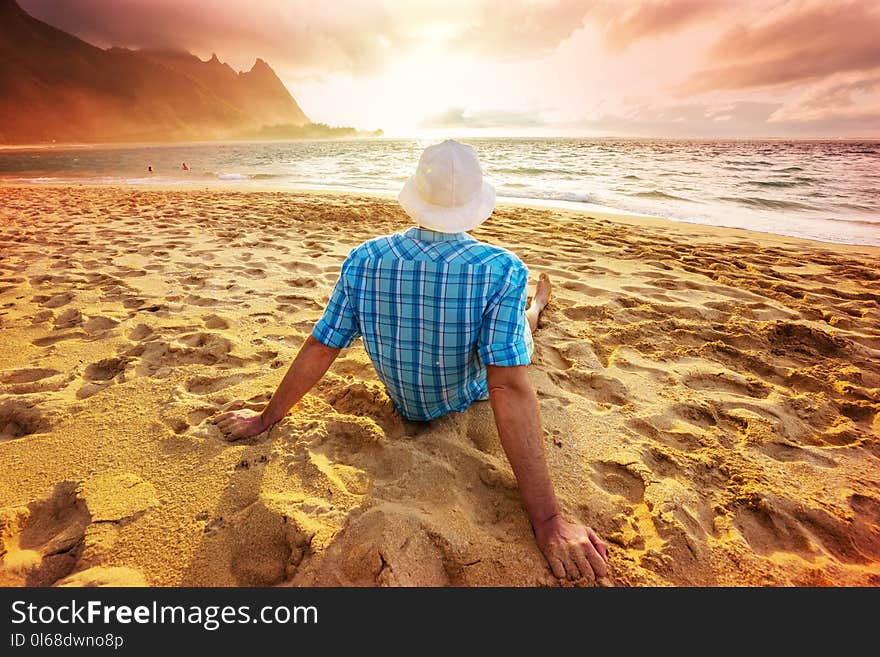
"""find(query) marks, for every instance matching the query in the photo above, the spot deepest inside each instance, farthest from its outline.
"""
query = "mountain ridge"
(55, 87)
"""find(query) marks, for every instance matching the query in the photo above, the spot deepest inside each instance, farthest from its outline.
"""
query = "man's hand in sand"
(306, 370)
(573, 551)
(242, 423)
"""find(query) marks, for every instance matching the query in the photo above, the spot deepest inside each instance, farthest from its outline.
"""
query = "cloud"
(843, 97)
(794, 43)
(314, 38)
(808, 62)
(521, 27)
(731, 120)
(624, 23)
(306, 38)
(687, 119)
(457, 117)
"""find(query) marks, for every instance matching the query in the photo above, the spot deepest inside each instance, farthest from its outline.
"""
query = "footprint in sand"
(302, 267)
(102, 374)
(55, 301)
(791, 339)
(768, 528)
(158, 357)
(21, 417)
(272, 529)
(140, 332)
(198, 415)
(552, 356)
(727, 382)
(106, 369)
(592, 385)
(865, 531)
(301, 281)
(98, 324)
(55, 338)
(196, 300)
(68, 319)
(204, 385)
(661, 429)
(382, 547)
(215, 322)
(30, 375)
(619, 479)
(38, 379)
(788, 452)
(41, 542)
(42, 316)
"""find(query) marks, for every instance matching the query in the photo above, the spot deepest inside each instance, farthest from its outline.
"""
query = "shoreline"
(576, 210)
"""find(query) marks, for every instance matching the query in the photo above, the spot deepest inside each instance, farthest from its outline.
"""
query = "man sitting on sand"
(444, 321)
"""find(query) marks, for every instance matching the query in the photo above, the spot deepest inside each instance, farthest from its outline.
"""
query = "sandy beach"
(711, 402)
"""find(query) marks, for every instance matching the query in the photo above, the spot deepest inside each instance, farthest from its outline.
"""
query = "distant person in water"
(149, 169)
(444, 320)
(184, 167)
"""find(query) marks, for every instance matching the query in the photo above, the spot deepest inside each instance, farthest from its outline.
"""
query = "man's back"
(440, 313)
(433, 309)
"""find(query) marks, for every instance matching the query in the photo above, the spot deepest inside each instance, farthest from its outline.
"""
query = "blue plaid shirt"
(433, 309)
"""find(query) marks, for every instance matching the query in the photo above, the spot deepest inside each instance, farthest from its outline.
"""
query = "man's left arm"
(571, 549)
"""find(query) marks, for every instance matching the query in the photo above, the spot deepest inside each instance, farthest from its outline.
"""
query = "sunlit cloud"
(625, 23)
(805, 67)
(458, 117)
(793, 43)
(301, 38)
(508, 28)
(851, 98)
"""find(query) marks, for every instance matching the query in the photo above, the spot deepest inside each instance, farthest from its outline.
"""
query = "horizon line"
(450, 135)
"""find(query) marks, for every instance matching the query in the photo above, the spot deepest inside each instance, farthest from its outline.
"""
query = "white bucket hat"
(447, 193)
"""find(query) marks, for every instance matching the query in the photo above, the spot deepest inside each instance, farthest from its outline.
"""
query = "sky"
(634, 68)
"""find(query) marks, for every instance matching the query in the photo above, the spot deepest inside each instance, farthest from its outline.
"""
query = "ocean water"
(821, 190)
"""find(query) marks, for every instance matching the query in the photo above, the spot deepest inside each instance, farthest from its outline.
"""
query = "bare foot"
(539, 302)
(542, 292)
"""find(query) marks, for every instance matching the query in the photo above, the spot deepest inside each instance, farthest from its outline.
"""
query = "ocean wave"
(527, 171)
(516, 170)
(571, 197)
(232, 176)
(863, 222)
(657, 194)
(770, 183)
(39, 179)
(766, 203)
(860, 208)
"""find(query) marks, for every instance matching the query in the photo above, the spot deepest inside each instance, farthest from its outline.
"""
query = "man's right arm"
(571, 550)
(312, 361)
(336, 330)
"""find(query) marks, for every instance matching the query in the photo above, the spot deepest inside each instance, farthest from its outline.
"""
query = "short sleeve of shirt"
(338, 328)
(505, 338)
